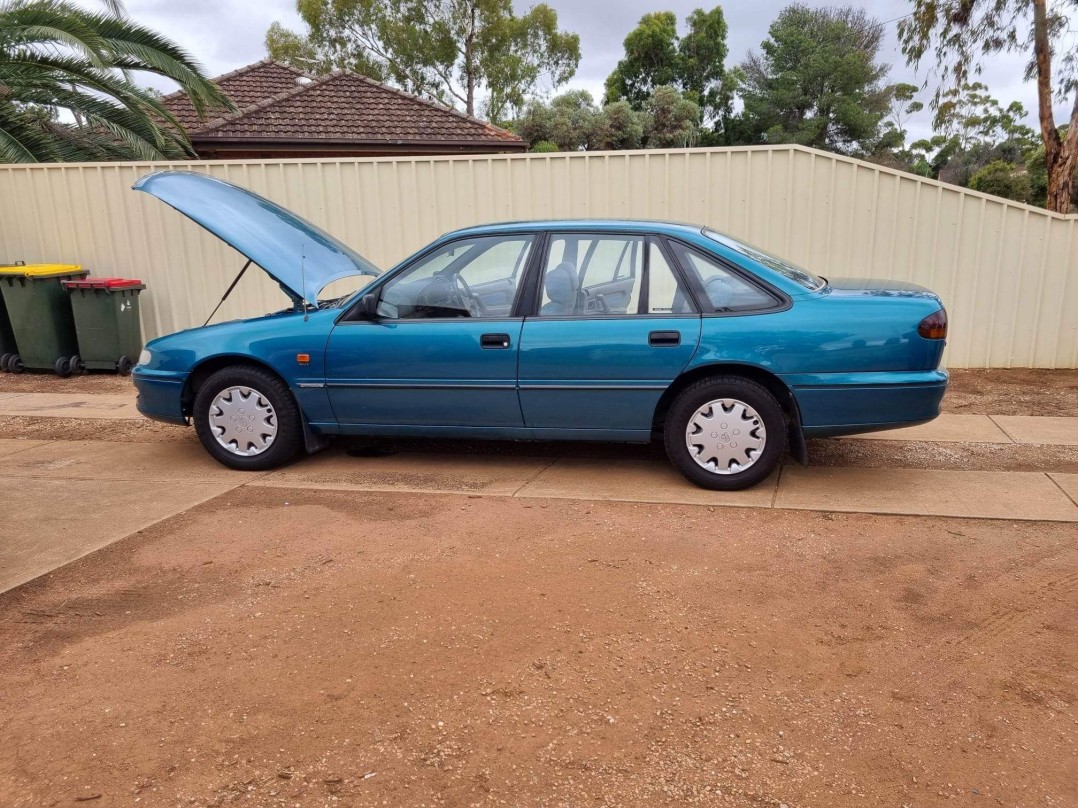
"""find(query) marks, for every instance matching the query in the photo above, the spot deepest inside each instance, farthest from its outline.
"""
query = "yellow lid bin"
(40, 270)
(37, 319)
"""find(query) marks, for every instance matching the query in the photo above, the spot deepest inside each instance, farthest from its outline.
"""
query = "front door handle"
(664, 339)
(494, 341)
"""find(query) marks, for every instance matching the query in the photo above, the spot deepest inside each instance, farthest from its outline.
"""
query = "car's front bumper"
(160, 395)
(849, 403)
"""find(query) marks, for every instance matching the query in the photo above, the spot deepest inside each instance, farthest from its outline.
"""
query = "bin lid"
(43, 270)
(104, 283)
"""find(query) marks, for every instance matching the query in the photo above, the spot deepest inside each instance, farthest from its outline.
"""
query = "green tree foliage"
(817, 81)
(962, 33)
(672, 119)
(622, 127)
(1001, 178)
(650, 60)
(453, 51)
(296, 50)
(573, 122)
(656, 56)
(903, 106)
(975, 119)
(971, 130)
(56, 57)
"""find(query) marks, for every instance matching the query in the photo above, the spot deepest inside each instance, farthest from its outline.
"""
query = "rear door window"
(726, 290)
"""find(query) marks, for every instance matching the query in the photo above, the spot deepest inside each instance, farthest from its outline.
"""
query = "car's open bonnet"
(301, 257)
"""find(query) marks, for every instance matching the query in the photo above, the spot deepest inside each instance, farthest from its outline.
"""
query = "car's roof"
(623, 225)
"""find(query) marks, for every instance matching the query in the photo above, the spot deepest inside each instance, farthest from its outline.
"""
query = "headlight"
(145, 357)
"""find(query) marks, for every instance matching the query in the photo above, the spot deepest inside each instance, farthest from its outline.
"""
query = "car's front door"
(615, 326)
(442, 350)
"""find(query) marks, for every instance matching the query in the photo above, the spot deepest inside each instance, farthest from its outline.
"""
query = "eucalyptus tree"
(964, 33)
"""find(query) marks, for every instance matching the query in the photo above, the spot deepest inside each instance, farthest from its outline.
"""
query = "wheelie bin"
(39, 310)
(106, 323)
(8, 347)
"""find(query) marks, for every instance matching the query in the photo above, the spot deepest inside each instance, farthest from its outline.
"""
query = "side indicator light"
(303, 359)
(934, 326)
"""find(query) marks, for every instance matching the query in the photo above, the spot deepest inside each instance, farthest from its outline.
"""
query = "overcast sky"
(226, 34)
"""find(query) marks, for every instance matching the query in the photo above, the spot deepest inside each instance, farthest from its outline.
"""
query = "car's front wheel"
(247, 419)
(725, 433)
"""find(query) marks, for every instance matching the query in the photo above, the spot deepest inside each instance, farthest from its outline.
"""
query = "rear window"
(795, 273)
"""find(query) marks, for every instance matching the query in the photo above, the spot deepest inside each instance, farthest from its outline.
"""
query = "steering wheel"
(468, 299)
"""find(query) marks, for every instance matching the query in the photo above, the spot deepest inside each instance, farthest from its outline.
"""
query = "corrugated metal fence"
(1008, 272)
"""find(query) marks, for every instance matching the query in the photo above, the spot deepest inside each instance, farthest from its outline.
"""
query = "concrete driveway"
(77, 496)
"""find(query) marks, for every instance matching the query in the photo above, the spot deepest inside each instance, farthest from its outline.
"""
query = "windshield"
(795, 273)
(334, 293)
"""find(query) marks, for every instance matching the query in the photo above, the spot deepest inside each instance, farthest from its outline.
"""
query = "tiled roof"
(339, 107)
(245, 86)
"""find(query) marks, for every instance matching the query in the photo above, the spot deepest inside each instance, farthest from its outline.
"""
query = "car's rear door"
(614, 326)
(442, 351)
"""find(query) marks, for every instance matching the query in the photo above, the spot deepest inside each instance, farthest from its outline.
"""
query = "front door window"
(476, 277)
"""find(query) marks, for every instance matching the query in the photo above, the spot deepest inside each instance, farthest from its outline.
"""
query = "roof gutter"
(270, 143)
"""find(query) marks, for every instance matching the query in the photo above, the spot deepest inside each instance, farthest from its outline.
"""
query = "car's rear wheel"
(247, 419)
(725, 433)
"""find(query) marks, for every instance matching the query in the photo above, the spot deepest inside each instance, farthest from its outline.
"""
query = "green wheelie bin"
(39, 310)
(8, 347)
(106, 322)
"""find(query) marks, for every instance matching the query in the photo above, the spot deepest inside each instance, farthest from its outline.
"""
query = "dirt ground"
(303, 648)
(1014, 391)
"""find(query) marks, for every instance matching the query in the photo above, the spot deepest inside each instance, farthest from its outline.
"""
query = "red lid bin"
(107, 322)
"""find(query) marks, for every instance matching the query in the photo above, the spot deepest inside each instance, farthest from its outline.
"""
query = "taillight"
(934, 326)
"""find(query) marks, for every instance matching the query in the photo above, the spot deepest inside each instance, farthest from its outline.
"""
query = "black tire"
(124, 365)
(62, 367)
(15, 364)
(289, 438)
(697, 395)
(77, 366)
(4, 360)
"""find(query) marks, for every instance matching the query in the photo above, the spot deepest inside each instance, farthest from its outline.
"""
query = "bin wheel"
(4, 360)
(15, 365)
(77, 366)
(124, 365)
(62, 367)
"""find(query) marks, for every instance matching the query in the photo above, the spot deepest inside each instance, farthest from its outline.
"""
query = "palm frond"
(56, 56)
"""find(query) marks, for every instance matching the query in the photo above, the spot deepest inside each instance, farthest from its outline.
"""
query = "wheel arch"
(774, 385)
(207, 367)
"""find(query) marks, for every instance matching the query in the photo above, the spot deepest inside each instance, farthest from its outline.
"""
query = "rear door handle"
(494, 341)
(664, 339)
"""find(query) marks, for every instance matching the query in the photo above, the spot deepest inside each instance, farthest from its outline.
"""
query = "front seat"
(562, 287)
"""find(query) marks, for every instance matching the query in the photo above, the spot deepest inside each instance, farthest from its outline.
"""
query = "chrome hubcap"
(725, 436)
(243, 421)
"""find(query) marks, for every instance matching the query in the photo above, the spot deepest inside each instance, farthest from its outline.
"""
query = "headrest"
(561, 284)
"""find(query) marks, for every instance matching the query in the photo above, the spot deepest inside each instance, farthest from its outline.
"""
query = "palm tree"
(57, 58)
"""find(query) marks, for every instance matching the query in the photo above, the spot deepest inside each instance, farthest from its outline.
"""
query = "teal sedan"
(594, 330)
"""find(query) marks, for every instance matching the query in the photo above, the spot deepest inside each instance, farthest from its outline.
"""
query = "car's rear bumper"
(848, 403)
(160, 396)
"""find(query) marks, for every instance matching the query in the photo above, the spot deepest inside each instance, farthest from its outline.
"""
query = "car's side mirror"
(368, 306)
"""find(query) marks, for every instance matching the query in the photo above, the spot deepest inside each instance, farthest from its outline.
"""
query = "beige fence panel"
(1007, 272)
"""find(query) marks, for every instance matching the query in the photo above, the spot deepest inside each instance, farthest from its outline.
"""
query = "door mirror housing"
(368, 306)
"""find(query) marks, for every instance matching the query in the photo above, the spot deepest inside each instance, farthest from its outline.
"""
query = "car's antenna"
(227, 293)
(303, 281)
